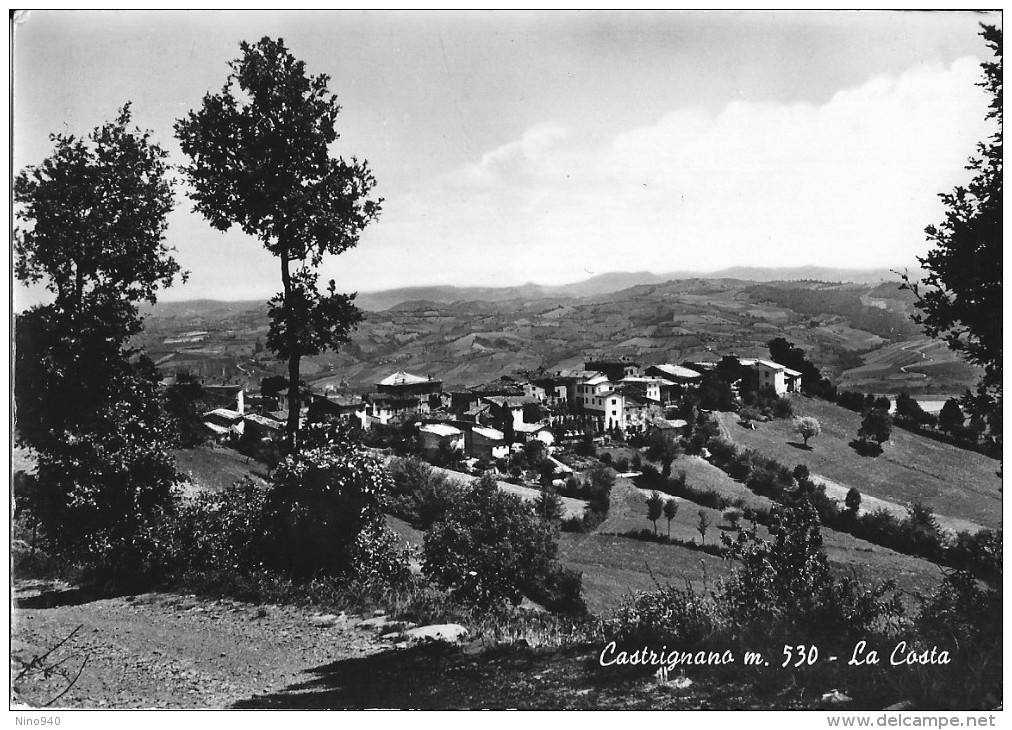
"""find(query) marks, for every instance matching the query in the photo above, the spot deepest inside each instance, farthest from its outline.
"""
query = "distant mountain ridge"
(598, 285)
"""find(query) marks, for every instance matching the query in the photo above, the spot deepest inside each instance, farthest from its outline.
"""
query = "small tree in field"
(655, 506)
(670, 510)
(260, 159)
(875, 426)
(807, 427)
(703, 524)
(951, 415)
(853, 500)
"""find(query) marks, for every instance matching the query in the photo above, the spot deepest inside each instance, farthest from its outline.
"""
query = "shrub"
(490, 547)
(668, 616)
(732, 517)
(217, 531)
(785, 585)
(853, 500)
(418, 493)
(782, 408)
(100, 492)
(322, 498)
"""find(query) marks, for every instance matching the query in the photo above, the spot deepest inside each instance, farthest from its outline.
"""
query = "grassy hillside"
(952, 481)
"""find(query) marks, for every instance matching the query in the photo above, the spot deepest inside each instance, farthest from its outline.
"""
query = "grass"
(214, 469)
(614, 566)
(953, 482)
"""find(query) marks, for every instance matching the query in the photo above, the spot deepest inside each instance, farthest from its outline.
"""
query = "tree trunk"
(294, 404)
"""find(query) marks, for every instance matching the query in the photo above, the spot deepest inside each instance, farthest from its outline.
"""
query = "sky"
(523, 146)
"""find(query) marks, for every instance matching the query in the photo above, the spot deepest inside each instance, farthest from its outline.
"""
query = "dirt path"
(172, 651)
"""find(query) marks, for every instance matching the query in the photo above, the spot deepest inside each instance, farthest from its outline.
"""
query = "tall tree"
(960, 298)
(260, 159)
(92, 222)
(94, 216)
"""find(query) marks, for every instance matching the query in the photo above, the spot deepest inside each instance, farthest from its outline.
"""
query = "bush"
(491, 547)
(100, 492)
(323, 497)
(784, 586)
(419, 494)
(668, 616)
(217, 531)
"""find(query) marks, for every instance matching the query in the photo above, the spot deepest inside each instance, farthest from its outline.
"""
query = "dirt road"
(167, 651)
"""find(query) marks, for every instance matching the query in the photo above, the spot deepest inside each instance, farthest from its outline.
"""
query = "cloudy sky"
(517, 146)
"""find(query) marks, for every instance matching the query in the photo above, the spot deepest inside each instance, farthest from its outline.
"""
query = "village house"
(614, 369)
(590, 389)
(525, 432)
(648, 387)
(436, 436)
(668, 427)
(224, 423)
(330, 407)
(262, 427)
(481, 442)
(774, 377)
(404, 385)
(513, 411)
(571, 379)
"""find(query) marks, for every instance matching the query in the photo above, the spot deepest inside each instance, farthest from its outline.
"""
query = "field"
(954, 482)
(613, 566)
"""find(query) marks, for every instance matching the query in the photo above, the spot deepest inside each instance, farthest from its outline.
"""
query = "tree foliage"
(807, 427)
(490, 546)
(93, 219)
(655, 508)
(326, 499)
(960, 298)
(951, 415)
(92, 224)
(875, 426)
(260, 159)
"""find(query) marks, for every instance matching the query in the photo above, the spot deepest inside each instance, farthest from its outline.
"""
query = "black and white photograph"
(506, 359)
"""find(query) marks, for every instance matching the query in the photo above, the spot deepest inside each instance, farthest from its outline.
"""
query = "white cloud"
(850, 182)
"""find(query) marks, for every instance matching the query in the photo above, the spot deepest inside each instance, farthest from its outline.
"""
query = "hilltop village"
(617, 398)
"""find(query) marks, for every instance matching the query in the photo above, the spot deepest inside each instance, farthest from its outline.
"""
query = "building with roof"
(774, 377)
(512, 411)
(591, 387)
(403, 384)
(614, 369)
(330, 407)
(673, 373)
(481, 442)
(262, 427)
(224, 423)
(436, 436)
(534, 431)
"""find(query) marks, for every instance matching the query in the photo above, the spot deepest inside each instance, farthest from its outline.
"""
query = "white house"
(772, 376)
(591, 387)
